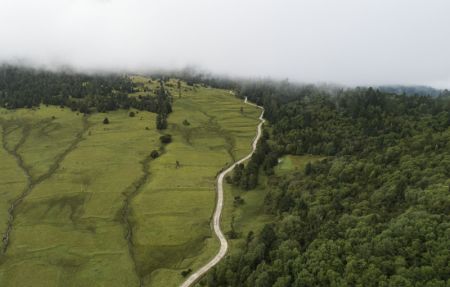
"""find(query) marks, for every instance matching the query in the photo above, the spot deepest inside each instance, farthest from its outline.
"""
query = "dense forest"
(375, 212)
(410, 90)
(22, 87)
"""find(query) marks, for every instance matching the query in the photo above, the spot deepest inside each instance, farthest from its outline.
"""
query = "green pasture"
(69, 230)
(290, 163)
(98, 210)
(172, 213)
(245, 217)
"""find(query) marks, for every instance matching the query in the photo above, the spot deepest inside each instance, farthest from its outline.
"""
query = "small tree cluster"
(246, 177)
(164, 107)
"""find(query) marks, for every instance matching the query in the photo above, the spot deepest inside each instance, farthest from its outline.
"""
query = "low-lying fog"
(350, 42)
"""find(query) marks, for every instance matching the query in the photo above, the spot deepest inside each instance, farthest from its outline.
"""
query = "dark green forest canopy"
(22, 87)
(375, 212)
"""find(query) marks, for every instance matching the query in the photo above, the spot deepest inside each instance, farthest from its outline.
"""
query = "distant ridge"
(411, 90)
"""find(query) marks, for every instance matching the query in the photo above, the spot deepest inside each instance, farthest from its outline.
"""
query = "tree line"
(22, 87)
(264, 158)
(164, 100)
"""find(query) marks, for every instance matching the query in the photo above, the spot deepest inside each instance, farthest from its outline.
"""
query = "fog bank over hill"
(349, 42)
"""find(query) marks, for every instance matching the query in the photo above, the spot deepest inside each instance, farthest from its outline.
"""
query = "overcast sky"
(350, 42)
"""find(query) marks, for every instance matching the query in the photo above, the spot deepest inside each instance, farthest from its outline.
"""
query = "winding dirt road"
(218, 211)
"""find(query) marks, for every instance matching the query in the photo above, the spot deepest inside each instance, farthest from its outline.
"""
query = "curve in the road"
(194, 277)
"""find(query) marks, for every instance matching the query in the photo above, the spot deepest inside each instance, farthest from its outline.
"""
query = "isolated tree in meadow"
(232, 234)
(185, 273)
(154, 154)
(106, 121)
(308, 168)
(84, 109)
(238, 200)
(165, 139)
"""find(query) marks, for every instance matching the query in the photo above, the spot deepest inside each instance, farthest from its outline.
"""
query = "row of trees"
(164, 100)
(376, 212)
(265, 158)
(22, 87)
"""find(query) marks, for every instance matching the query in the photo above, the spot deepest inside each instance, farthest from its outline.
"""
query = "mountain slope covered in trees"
(375, 212)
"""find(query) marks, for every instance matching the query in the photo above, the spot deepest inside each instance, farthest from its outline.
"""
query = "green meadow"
(289, 163)
(92, 208)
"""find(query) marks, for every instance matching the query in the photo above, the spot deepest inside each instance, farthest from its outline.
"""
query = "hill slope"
(93, 208)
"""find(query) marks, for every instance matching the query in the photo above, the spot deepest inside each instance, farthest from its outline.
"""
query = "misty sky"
(350, 42)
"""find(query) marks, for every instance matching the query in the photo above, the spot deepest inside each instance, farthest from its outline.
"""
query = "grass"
(249, 216)
(173, 210)
(68, 230)
(290, 163)
(12, 182)
(97, 211)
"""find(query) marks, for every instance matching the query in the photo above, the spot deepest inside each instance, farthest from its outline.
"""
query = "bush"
(232, 234)
(106, 121)
(165, 139)
(185, 273)
(238, 200)
(131, 114)
(186, 123)
(154, 154)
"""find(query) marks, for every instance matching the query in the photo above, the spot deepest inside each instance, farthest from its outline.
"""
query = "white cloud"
(353, 42)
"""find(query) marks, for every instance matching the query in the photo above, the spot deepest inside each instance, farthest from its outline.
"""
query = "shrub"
(185, 273)
(238, 200)
(165, 139)
(154, 154)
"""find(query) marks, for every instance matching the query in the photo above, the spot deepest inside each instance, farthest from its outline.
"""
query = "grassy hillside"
(92, 208)
(174, 208)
